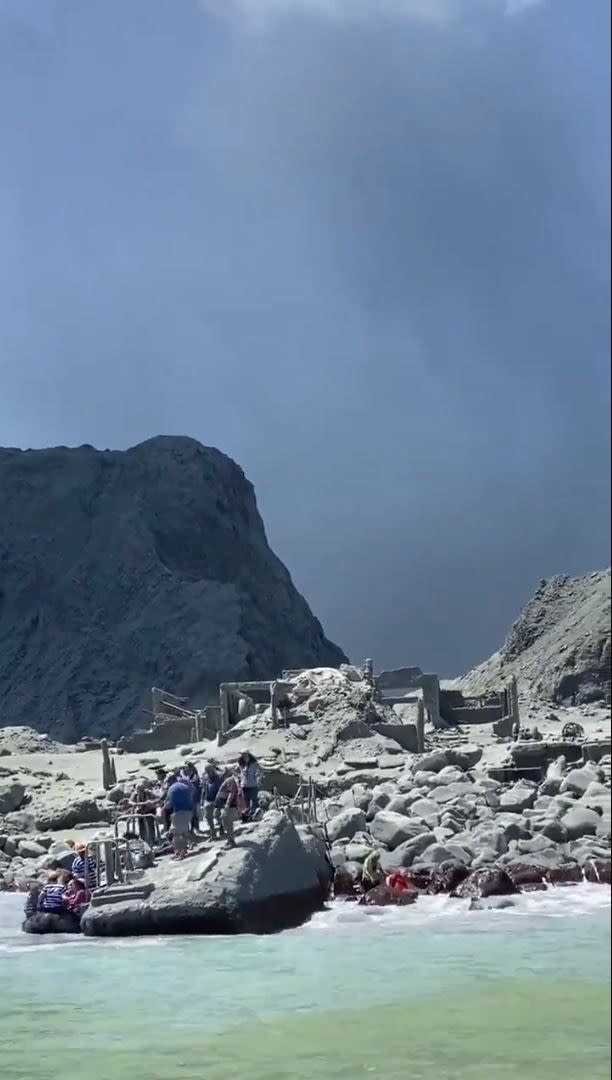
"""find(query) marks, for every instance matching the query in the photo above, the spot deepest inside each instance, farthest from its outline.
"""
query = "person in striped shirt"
(51, 898)
(84, 867)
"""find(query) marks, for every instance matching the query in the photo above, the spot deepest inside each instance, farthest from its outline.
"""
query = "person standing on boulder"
(210, 790)
(249, 783)
(179, 804)
(189, 775)
(228, 800)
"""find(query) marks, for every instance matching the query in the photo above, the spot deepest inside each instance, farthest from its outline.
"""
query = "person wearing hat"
(51, 897)
(84, 866)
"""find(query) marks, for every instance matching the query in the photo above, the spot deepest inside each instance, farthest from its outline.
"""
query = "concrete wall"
(468, 715)
(399, 679)
(163, 737)
(404, 734)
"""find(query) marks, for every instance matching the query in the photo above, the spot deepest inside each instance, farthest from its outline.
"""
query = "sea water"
(430, 992)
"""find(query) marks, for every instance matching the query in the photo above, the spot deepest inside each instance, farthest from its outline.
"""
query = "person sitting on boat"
(51, 897)
(31, 901)
(84, 866)
(75, 896)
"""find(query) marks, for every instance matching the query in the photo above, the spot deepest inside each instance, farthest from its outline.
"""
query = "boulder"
(119, 792)
(268, 882)
(436, 854)
(404, 855)
(578, 780)
(521, 796)
(598, 871)
(523, 874)
(487, 882)
(552, 829)
(313, 842)
(393, 829)
(466, 757)
(435, 761)
(345, 824)
(29, 849)
(12, 794)
(580, 821)
(61, 815)
(21, 821)
(491, 903)
(426, 809)
(383, 896)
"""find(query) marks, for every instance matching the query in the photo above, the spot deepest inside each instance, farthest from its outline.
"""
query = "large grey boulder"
(29, 849)
(56, 815)
(436, 854)
(405, 854)
(434, 762)
(393, 829)
(12, 794)
(345, 824)
(578, 780)
(521, 796)
(269, 882)
(580, 821)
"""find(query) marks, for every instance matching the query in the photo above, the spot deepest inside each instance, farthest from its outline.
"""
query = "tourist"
(189, 775)
(144, 802)
(210, 790)
(372, 873)
(179, 805)
(75, 895)
(32, 898)
(228, 800)
(51, 898)
(85, 867)
(249, 783)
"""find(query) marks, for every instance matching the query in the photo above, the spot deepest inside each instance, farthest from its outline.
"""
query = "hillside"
(120, 570)
(559, 647)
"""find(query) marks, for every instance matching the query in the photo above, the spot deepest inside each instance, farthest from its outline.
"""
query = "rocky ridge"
(559, 648)
(120, 570)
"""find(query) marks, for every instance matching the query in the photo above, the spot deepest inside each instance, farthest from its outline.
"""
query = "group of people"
(180, 799)
(65, 891)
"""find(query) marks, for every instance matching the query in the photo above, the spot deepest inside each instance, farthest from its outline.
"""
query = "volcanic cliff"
(120, 570)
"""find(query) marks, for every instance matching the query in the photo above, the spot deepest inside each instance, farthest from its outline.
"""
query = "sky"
(362, 247)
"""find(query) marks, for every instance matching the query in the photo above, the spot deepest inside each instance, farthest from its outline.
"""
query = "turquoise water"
(432, 992)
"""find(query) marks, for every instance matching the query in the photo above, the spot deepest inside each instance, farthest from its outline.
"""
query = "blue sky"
(362, 246)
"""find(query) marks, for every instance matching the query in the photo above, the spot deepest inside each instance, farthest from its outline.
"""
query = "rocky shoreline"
(454, 819)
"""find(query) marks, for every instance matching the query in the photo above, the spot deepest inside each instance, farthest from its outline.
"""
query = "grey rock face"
(269, 884)
(124, 570)
(580, 822)
(560, 646)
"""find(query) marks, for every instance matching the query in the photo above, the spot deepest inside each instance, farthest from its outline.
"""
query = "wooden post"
(107, 772)
(420, 727)
(514, 698)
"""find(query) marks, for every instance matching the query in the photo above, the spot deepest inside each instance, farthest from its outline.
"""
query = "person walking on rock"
(228, 800)
(190, 775)
(179, 805)
(249, 783)
(212, 781)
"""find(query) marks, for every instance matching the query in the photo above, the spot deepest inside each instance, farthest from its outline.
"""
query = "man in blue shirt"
(179, 803)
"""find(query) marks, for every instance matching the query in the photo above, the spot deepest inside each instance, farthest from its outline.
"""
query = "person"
(51, 897)
(85, 867)
(179, 805)
(210, 790)
(143, 800)
(189, 775)
(31, 901)
(249, 783)
(372, 873)
(228, 801)
(75, 896)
